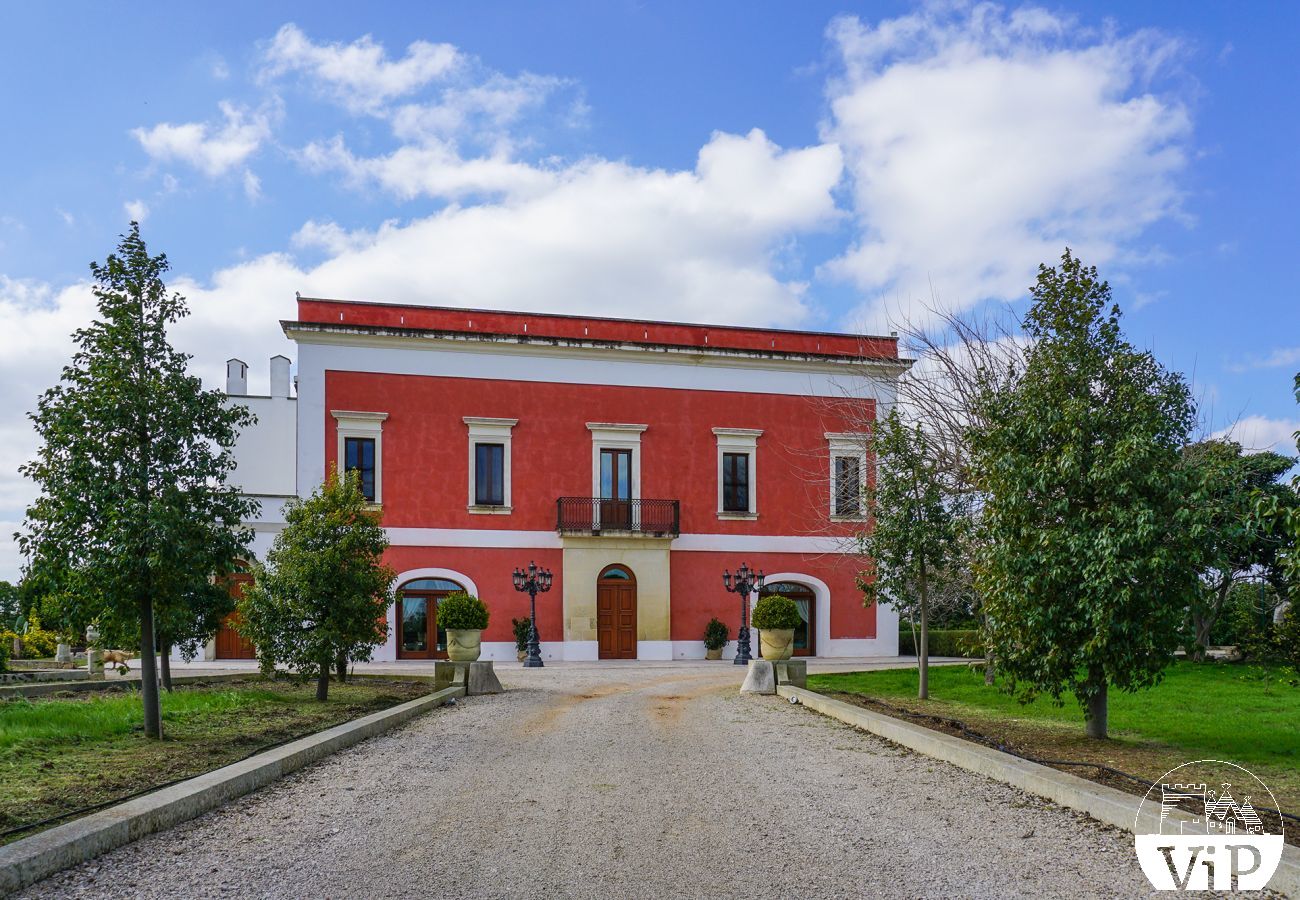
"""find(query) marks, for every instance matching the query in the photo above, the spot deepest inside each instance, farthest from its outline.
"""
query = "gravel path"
(623, 783)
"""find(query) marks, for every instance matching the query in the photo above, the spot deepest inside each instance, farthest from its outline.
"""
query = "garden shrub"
(462, 611)
(774, 612)
(6, 645)
(944, 642)
(716, 635)
(522, 629)
(38, 642)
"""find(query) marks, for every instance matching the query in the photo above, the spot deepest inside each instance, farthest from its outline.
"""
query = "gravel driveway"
(623, 782)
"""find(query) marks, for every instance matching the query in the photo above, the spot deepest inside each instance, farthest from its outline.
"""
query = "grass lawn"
(59, 755)
(1249, 715)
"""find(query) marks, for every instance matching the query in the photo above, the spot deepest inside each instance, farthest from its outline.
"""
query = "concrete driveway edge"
(29, 860)
(1105, 804)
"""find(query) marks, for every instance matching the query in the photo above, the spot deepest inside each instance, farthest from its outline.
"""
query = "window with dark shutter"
(490, 474)
(848, 486)
(735, 482)
(359, 456)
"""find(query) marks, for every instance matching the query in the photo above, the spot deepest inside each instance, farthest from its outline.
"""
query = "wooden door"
(230, 643)
(418, 634)
(616, 489)
(616, 613)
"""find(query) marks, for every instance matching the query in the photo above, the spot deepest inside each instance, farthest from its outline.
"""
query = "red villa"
(635, 459)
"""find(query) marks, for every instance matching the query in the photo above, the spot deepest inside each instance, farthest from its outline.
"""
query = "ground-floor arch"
(817, 595)
(413, 628)
(616, 611)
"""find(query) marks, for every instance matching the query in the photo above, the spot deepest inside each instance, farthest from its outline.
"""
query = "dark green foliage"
(462, 611)
(6, 647)
(324, 589)
(521, 627)
(716, 635)
(944, 642)
(134, 515)
(10, 606)
(774, 612)
(1089, 557)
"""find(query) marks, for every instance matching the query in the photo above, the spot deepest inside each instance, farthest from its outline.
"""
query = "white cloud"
(212, 149)
(1263, 433)
(1278, 358)
(252, 185)
(136, 210)
(980, 143)
(358, 74)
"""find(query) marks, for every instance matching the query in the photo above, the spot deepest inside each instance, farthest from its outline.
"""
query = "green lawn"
(1244, 714)
(58, 755)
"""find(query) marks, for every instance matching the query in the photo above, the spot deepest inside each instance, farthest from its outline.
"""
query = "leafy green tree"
(1088, 560)
(10, 608)
(134, 508)
(1236, 538)
(914, 541)
(1285, 517)
(323, 591)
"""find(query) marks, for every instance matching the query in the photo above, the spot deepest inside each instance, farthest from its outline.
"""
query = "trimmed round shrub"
(775, 613)
(716, 635)
(462, 611)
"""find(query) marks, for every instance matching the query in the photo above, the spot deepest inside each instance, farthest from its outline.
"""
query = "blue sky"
(794, 164)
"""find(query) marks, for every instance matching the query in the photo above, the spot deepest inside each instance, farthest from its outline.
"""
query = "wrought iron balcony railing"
(594, 515)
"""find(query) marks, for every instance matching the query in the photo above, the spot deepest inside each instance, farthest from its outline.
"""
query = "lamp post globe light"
(744, 583)
(532, 581)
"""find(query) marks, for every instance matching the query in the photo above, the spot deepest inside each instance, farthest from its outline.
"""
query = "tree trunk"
(165, 665)
(989, 676)
(341, 666)
(149, 671)
(1097, 714)
(323, 680)
(923, 646)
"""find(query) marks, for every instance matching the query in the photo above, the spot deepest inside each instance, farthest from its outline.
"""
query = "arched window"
(617, 573)
(418, 633)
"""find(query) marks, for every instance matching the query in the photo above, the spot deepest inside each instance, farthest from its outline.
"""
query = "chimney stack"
(279, 376)
(236, 378)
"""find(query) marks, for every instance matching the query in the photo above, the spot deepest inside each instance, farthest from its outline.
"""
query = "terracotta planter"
(464, 644)
(713, 654)
(777, 643)
(522, 654)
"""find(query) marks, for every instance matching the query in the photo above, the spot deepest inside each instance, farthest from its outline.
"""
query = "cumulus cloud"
(213, 149)
(359, 75)
(1264, 433)
(980, 142)
(136, 210)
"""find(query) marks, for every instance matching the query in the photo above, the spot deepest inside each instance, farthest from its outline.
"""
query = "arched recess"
(390, 646)
(821, 592)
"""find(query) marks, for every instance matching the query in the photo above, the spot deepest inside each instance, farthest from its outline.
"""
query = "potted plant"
(522, 628)
(776, 618)
(716, 636)
(464, 617)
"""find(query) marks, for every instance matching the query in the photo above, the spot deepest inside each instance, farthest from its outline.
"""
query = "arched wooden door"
(805, 634)
(230, 643)
(616, 613)
(419, 636)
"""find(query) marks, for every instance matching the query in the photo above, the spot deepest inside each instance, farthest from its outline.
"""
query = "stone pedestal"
(792, 671)
(477, 677)
(760, 679)
(95, 663)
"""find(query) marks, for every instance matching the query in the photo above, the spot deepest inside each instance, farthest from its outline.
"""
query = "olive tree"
(323, 591)
(1088, 558)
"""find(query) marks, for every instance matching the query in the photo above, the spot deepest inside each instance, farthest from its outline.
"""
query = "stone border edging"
(1105, 804)
(27, 861)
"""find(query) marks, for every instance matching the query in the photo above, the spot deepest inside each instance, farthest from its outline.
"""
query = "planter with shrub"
(776, 618)
(716, 637)
(464, 617)
(522, 628)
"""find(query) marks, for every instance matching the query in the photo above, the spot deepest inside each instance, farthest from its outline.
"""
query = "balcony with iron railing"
(595, 516)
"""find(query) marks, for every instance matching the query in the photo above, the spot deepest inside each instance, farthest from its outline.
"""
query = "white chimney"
(279, 376)
(236, 377)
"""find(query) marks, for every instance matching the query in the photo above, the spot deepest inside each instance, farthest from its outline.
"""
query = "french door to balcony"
(616, 489)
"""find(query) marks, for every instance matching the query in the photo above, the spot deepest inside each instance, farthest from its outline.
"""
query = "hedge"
(943, 642)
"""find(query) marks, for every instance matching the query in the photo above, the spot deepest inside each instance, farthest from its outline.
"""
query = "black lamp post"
(532, 581)
(744, 583)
